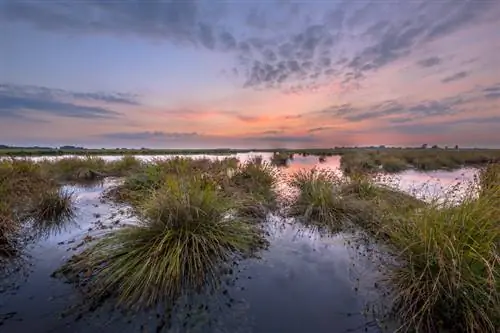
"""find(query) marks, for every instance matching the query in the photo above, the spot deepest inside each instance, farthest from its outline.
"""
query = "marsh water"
(304, 281)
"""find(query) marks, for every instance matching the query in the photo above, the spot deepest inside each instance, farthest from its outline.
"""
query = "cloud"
(271, 132)
(429, 62)
(276, 44)
(320, 129)
(51, 93)
(449, 126)
(161, 137)
(402, 111)
(283, 139)
(19, 101)
(250, 119)
(150, 135)
(492, 92)
(455, 77)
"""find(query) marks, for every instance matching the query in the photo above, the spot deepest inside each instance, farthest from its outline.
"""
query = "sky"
(250, 74)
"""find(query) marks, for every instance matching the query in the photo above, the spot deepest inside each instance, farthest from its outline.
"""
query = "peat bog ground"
(254, 242)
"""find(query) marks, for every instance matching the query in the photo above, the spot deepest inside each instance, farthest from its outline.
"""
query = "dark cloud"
(18, 101)
(50, 93)
(320, 129)
(403, 111)
(277, 44)
(283, 138)
(429, 62)
(492, 92)
(337, 110)
(455, 77)
(450, 126)
(177, 20)
(155, 135)
(271, 132)
(386, 108)
(247, 118)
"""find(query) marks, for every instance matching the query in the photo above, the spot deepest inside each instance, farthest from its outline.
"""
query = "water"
(304, 282)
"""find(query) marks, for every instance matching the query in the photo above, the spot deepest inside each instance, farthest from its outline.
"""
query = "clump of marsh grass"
(280, 159)
(449, 275)
(252, 185)
(393, 164)
(124, 166)
(256, 178)
(51, 211)
(184, 236)
(318, 202)
(358, 162)
(20, 181)
(76, 168)
(8, 229)
(489, 178)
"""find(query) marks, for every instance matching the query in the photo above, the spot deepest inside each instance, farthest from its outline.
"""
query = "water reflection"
(303, 283)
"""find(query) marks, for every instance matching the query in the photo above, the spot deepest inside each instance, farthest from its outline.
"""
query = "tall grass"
(51, 210)
(8, 228)
(253, 185)
(20, 181)
(257, 178)
(280, 158)
(318, 202)
(184, 237)
(126, 165)
(449, 271)
(83, 168)
(489, 178)
(395, 160)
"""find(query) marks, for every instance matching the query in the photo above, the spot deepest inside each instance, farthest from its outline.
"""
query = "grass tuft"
(257, 179)
(51, 211)
(184, 237)
(449, 275)
(318, 202)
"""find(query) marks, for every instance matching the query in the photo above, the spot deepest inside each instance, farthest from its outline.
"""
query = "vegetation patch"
(396, 160)
(184, 237)
(51, 210)
(449, 271)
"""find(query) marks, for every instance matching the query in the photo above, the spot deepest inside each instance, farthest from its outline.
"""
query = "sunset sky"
(243, 73)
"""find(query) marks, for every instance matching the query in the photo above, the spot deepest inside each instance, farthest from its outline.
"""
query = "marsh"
(275, 272)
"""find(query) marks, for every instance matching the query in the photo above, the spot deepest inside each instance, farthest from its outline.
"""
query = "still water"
(303, 282)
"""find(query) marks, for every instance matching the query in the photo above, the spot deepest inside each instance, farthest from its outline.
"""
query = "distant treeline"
(74, 150)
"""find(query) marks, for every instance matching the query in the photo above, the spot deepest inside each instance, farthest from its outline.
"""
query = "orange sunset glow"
(303, 75)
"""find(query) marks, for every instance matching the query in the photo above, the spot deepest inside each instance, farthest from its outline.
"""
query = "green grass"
(489, 178)
(128, 164)
(184, 237)
(318, 202)
(8, 229)
(20, 181)
(280, 158)
(449, 272)
(396, 160)
(51, 211)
